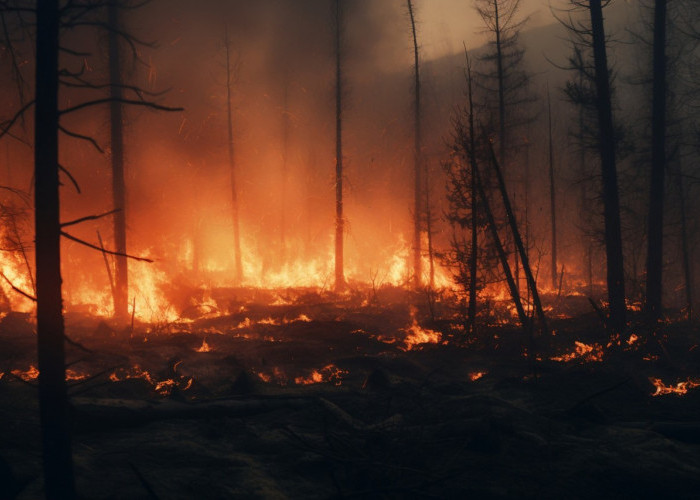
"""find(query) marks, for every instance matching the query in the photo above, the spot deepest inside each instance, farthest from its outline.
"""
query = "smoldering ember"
(349, 249)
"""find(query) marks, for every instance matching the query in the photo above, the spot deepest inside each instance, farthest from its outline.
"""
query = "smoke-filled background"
(178, 176)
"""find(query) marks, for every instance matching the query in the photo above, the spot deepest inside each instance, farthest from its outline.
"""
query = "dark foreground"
(156, 418)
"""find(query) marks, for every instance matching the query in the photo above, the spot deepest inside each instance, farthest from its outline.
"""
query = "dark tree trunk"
(53, 399)
(339, 220)
(520, 248)
(473, 256)
(658, 166)
(232, 165)
(611, 200)
(417, 156)
(552, 194)
(685, 247)
(121, 275)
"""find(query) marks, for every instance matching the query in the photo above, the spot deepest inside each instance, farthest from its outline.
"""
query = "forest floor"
(303, 394)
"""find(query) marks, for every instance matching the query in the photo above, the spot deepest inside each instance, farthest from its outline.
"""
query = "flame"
(417, 335)
(204, 347)
(583, 351)
(31, 374)
(680, 388)
(633, 339)
(474, 376)
(329, 373)
(162, 387)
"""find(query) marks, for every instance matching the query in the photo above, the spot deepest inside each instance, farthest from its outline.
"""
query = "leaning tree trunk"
(232, 166)
(658, 166)
(121, 282)
(611, 199)
(53, 399)
(417, 157)
(339, 220)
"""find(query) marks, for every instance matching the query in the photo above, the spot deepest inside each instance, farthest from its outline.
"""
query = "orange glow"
(474, 376)
(31, 374)
(679, 389)
(417, 335)
(583, 351)
(204, 347)
(329, 373)
(162, 387)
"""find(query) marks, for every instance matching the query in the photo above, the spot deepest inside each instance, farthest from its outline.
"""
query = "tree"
(658, 165)
(121, 281)
(552, 193)
(232, 162)
(53, 398)
(417, 155)
(504, 81)
(595, 92)
(339, 220)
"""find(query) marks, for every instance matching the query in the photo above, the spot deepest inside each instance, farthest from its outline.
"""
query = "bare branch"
(95, 247)
(90, 217)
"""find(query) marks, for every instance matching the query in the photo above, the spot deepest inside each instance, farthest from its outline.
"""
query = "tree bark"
(658, 166)
(121, 275)
(339, 220)
(53, 399)
(611, 200)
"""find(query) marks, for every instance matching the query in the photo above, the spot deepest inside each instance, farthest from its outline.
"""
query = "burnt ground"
(157, 419)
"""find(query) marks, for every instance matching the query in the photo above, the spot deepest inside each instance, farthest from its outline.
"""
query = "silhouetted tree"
(339, 219)
(417, 155)
(590, 61)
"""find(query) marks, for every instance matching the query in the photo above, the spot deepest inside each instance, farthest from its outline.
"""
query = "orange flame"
(680, 388)
(583, 351)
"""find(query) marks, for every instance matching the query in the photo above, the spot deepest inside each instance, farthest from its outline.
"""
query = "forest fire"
(349, 249)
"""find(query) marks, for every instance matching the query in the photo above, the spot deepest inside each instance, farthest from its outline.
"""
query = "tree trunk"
(232, 165)
(339, 220)
(417, 156)
(121, 275)
(685, 248)
(611, 200)
(474, 204)
(519, 242)
(53, 399)
(658, 166)
(552, 194)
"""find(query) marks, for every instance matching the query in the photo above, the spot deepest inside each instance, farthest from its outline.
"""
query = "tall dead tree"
(53, 398)
(339, 219)
(552, 192)
(607, 147)
(503, 80)
(121, 275)
(417, 155)
(235, 215)
(658, 165)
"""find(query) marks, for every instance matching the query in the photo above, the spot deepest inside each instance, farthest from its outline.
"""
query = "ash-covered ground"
(305, 394)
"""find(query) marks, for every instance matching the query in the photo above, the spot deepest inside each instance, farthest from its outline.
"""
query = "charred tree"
(121, 275)
(552, 193)
(607, 145)
(473, 256)
(53, 398)
(235, 215)
(339, 218)
(417, 154)
(658, 166)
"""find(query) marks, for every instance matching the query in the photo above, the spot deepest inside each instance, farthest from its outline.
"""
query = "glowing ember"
(679, 389)
(329, 373)
(633, 339)
(75, 376)
(583, 351)
(27, 376)
(474, 376)
(204, 347)
(162, 387)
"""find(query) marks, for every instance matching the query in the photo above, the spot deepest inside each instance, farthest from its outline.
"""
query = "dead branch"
(90, 217)
(95, 247)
